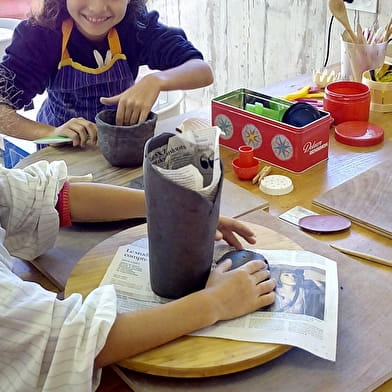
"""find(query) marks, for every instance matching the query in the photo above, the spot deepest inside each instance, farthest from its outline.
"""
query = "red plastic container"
(347, 101)
(293, 148)
(246, 156)
(246, 166)
(245, 172)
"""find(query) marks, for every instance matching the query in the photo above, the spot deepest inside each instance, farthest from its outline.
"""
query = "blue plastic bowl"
(300, 114)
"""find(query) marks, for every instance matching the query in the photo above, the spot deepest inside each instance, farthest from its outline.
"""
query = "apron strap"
(114, 42)
(66, 28)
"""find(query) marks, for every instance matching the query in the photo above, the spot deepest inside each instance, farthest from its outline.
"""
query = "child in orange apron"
(86, 54)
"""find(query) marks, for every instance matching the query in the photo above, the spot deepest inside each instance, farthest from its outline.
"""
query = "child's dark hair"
(53, 12)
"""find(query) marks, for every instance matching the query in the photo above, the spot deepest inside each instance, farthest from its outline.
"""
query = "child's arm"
(135, 103)
(94, 202)
(16, 125)
(192, 74)
(138, 331)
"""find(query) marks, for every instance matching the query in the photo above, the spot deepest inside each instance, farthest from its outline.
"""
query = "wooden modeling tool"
(339, 11)
(364, 256)
(261, 174)
(84, 178)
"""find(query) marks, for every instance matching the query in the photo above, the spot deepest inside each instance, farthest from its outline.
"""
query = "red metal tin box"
(292, 148)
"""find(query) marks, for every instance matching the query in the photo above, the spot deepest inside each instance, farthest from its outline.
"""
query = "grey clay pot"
(181, 227)
(123, 146)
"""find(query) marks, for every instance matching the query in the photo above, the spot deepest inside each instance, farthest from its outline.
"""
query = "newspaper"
(304, 313)
(191, 159)
(295, 214)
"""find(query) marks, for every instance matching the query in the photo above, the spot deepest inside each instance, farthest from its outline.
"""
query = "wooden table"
(73, 242)
(344, 163)
(208, 356)
(364, 350)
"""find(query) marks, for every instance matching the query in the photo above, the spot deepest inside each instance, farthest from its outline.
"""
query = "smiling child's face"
(94, 18)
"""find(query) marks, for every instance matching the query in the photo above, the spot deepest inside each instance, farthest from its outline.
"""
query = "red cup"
(246, 166)
(347, 101)
(245, 173)
(246, 156)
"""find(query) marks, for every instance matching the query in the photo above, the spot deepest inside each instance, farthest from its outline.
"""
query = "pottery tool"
(261, 174)
(339, 11)
(361, 255)
(388, 30)
(274, 113)
(322, 78)
(314, 102)
(83, 178)
(53, 140)
(304, 92)
(383, 74)
(360, 35)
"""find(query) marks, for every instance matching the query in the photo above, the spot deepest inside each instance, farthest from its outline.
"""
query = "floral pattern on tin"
(282, 147)
(252, 136)
(226, 126)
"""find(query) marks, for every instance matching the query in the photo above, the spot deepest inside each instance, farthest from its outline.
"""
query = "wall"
(254, 43)
(18, 9)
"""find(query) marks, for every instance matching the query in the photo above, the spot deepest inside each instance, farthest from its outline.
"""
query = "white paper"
(295, 214)
(304, 315)
(191, 159)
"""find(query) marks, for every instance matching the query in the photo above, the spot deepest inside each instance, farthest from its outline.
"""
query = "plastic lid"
(300, 114)
(276, 185)
(359, 133)
(324, 223)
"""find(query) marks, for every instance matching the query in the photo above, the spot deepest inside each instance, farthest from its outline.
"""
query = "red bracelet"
(62, 206)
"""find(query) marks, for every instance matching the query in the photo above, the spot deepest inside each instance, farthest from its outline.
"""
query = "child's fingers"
(266, 286)
(223, 266)
(254, 266)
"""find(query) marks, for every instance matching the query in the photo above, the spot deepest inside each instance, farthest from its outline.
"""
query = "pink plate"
(324, 223)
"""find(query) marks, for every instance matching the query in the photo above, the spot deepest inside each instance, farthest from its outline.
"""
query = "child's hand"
(226, 229)
(242, 290)
(79, 130)
(135, 103)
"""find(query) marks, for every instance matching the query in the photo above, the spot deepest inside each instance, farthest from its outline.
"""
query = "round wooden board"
(189, 356)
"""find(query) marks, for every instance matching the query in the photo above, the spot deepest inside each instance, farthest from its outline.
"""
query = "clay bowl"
(245, 173)
(123, 146)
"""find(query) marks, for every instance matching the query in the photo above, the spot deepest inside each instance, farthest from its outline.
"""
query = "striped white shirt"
(46, 344)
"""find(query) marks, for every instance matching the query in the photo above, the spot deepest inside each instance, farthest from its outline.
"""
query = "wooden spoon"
(339, 11)
(388, 30)
(360, 37)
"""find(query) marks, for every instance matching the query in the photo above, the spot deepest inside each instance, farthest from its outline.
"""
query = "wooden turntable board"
(189, 356)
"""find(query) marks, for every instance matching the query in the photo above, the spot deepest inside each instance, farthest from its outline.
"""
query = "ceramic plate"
(324, 223)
